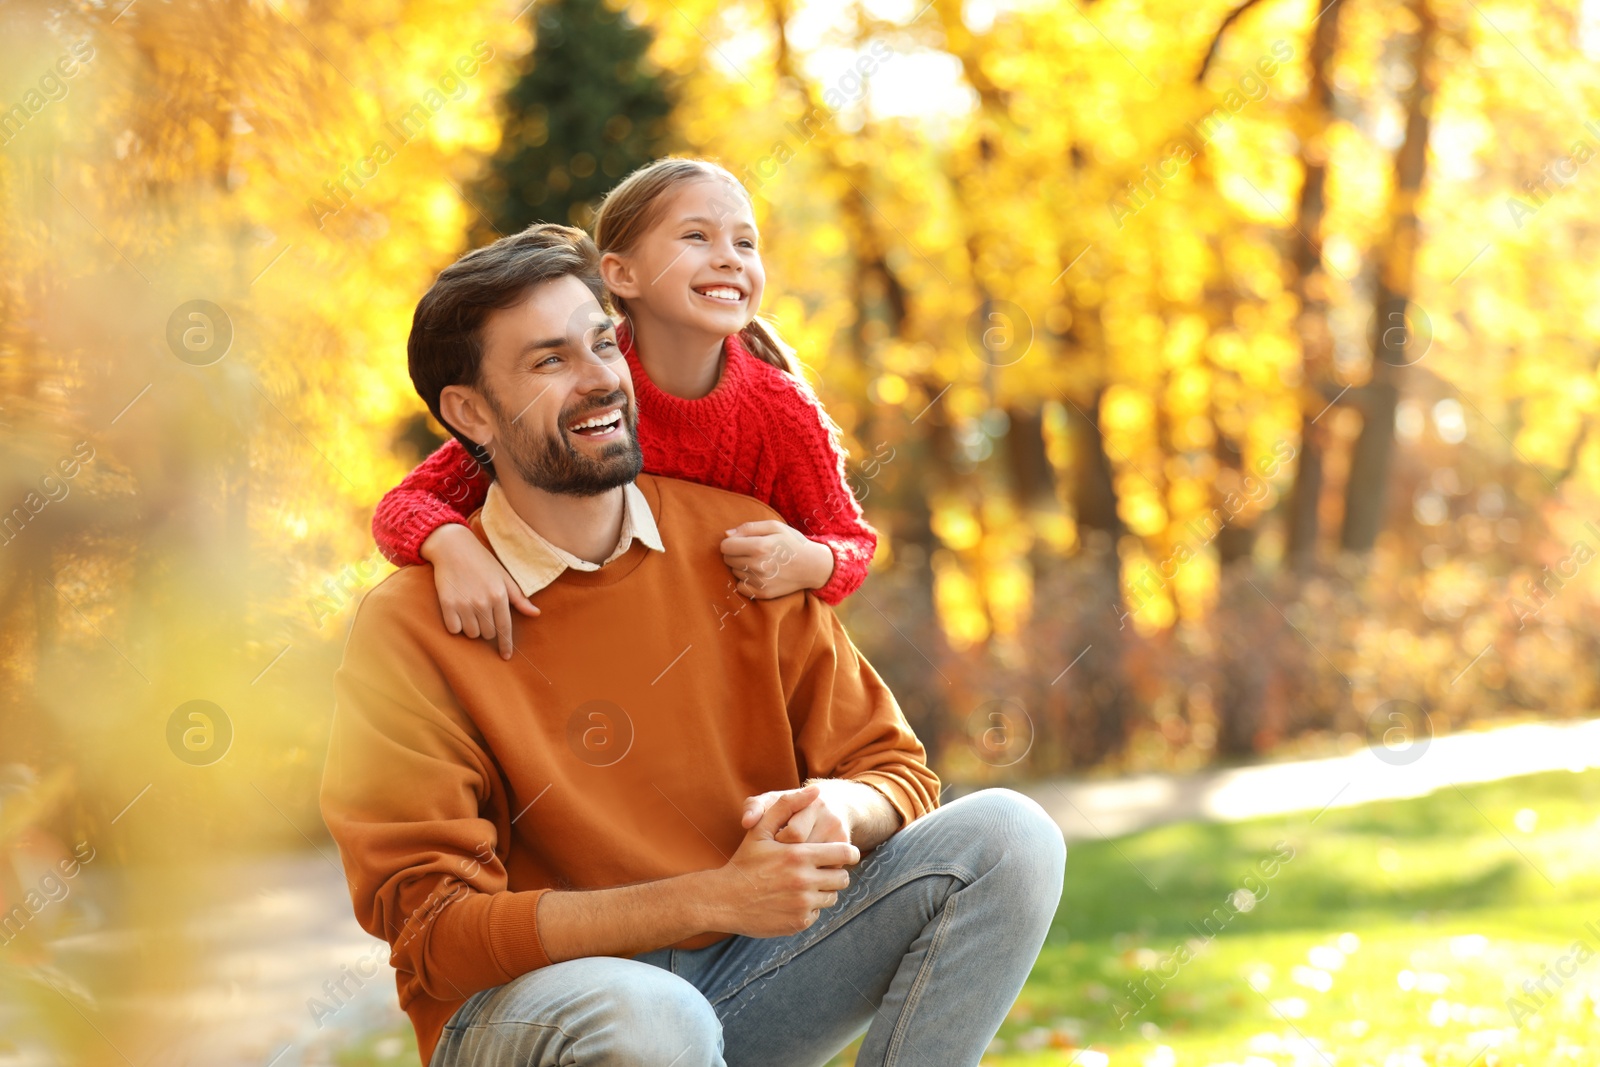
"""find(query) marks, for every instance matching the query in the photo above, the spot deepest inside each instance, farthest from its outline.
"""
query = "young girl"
(720, 403)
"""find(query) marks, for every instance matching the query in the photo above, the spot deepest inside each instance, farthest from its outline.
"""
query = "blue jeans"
(925, 951)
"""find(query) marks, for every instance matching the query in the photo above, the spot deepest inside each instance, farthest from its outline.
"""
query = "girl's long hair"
(628, 212)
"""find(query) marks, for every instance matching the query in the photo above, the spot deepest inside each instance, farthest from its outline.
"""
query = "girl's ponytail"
(764, 343)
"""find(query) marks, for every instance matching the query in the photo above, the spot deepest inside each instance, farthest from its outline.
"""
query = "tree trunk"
(1393, 346)
(1094, 494)
(868, 244)
(1032, 477)
(1235, 541)
(912, 674)
(1310, 285)
(1033, 483)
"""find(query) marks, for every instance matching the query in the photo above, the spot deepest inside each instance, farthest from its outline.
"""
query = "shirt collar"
(534, 562)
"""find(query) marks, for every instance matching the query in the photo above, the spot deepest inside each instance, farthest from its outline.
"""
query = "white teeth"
(600, 420)
(723, 294)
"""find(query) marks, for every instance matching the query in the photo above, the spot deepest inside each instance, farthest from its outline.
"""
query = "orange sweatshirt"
(644, 703)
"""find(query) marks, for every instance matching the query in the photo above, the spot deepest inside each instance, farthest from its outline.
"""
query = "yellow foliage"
(959, 601)
(234, 157)
(957, 527)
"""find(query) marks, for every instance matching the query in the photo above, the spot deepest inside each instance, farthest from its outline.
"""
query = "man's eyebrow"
(534, 346)
(561, 342)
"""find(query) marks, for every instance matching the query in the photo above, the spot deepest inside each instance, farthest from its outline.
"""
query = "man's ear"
(618, 275)
(464, 409)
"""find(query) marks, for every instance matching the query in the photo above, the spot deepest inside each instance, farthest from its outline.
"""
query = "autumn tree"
(588, 107)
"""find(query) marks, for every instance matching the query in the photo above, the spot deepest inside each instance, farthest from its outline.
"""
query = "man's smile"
(601, 426)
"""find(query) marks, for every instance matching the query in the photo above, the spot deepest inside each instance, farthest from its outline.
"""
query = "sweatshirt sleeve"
(444, 488)
(410, 797)
(847, 723)
(812, 492)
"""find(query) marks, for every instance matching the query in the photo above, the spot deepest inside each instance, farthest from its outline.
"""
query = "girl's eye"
(696, 234)
(748, 243)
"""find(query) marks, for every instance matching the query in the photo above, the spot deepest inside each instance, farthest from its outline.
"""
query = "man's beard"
(550, 462)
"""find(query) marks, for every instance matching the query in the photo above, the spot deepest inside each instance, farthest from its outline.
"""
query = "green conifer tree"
(588, 108)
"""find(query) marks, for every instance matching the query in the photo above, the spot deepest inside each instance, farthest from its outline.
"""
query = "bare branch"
(1216, 41)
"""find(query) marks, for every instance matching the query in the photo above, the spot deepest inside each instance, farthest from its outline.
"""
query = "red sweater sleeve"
(812, 493)
(446, 487)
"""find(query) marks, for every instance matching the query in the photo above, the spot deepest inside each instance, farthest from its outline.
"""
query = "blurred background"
(1220, 376)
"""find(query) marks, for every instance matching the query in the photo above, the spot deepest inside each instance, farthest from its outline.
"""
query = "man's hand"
(842, 810)
(772, 559)
(773, 889)
(827, 818)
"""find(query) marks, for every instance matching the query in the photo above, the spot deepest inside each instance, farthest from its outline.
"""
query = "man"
(607, 851)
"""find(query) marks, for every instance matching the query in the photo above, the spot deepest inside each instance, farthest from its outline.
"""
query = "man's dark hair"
(446, 343)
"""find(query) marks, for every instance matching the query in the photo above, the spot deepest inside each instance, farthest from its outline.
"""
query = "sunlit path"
(1110, 808)
(277, 970)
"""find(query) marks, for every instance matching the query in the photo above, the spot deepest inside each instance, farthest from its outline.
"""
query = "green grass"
(394, 1048)
(1434, 910)
(1394, 937)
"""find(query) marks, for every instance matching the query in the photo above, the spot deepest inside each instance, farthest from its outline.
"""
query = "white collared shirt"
(534, 562)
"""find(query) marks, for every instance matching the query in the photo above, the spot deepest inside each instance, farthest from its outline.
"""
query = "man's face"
(561, 395)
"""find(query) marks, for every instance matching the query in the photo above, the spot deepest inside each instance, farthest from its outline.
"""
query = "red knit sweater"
(760, 432)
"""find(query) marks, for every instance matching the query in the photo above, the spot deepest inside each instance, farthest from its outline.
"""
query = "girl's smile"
(722, 293)
(703, 245)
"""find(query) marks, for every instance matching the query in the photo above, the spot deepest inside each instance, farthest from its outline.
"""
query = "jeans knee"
(656, 1017)
(600, 1011)
(1018, 833)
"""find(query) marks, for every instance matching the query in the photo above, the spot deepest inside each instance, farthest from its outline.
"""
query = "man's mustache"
(567, 417)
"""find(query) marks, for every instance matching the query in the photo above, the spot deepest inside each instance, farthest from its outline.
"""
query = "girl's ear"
(618, 275)
(463, 408)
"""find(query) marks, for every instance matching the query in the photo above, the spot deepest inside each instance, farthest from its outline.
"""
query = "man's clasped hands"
(793, 858)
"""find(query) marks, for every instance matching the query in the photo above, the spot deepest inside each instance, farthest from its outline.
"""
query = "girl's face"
(698, 267)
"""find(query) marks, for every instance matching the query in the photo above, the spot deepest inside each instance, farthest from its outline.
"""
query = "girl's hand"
(476, 594)
(772, 559)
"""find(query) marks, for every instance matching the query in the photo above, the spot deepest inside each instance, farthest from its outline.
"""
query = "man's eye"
(547, 359)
